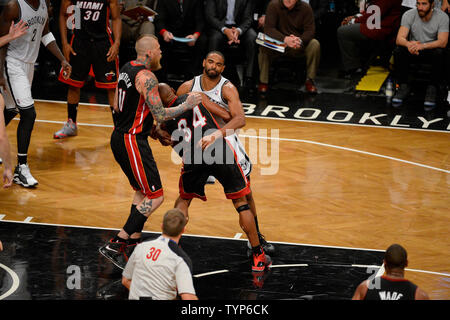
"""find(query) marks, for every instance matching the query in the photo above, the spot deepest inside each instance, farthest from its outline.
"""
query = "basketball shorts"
(242, 157)
(19, 78)
(91, 53)
(135, 157)
(230, 175)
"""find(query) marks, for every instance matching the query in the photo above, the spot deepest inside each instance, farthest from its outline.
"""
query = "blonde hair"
(173, 222)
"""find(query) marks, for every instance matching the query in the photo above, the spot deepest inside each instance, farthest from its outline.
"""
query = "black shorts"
(230, 175)
(91, 53)
(135, 157)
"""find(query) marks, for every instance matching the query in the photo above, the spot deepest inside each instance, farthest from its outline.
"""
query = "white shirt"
(158, 270)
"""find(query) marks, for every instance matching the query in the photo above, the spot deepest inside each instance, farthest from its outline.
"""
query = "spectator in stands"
(358, 31)
(422, 37)
(229, 24)
(292, 22)
(445, 6)
(183, 19)
(260, 11)
(133, 29)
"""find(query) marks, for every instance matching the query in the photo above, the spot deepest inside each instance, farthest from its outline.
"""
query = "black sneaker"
(430, 98)
(268, 247)
(114, 252)
(401, 95)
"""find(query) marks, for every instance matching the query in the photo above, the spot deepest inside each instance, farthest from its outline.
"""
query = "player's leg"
(22, 173)
(268, 247)
(183, 205)
(261, 261)
(136, 160)
(81, 64)
(111, 93)
(106, 72)
(19, 76)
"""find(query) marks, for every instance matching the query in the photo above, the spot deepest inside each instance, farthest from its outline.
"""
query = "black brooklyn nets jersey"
(93, 18)
(134, 115)
(385, 288)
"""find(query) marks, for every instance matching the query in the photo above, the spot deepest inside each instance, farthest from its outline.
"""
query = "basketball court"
(337, 178)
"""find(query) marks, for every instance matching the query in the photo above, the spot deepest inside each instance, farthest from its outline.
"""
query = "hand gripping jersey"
(218, 160)
(26, 48)
(189, 128)
(134, 115)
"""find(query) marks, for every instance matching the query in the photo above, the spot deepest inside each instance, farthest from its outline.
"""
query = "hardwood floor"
(328, 184)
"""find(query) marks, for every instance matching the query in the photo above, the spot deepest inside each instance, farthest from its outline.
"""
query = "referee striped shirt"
(159, 269)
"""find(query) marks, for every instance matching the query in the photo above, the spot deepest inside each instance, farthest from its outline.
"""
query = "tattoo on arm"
(148, 87)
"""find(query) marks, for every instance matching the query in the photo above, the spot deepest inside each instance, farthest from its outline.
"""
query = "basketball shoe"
(114, 252)
(261, 262)
(268, 247)
(23, 177)
(69, 129)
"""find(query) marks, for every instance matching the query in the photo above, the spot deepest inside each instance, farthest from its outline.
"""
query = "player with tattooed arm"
(137, 103)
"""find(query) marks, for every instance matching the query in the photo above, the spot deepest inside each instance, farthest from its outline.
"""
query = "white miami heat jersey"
(26, 48)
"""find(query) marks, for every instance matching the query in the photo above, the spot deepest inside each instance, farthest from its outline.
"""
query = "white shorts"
(19, 77)
(242, 157)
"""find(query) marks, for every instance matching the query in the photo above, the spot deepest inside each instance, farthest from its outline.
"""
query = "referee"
(160, 269)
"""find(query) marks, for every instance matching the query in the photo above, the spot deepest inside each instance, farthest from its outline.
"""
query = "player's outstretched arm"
(9, 14)
(147, 86)
(5, 149)
(49, 41)
(116, 23)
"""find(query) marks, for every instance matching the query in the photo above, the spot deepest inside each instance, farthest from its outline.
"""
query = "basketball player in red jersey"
(91, 46)
(137, 104)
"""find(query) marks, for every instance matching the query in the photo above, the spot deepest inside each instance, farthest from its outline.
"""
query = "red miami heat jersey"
(134, 115)
(94, 18)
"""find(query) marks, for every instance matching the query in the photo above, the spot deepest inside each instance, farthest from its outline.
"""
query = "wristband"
(47, 39)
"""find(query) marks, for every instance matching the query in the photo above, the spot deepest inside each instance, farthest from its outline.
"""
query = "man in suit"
(183, 19)
(229, 23)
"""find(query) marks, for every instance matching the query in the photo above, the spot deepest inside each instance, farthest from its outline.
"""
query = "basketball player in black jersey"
(392, 285)
(91, 46)
(219, 159)
(137, 104)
